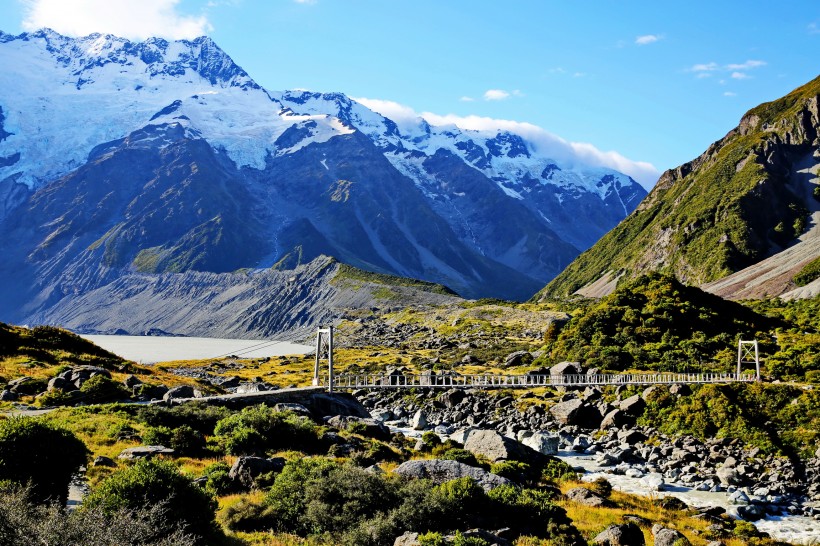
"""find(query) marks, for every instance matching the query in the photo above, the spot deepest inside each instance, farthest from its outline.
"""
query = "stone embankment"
(583, 422)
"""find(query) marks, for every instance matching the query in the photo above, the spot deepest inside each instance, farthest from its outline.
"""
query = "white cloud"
(578, 74)
(496, 94)
(570, 153)
(729, 94)
(305, 1)
(648, 39)
(705, 67)
(401, 114)
(740, 76)
(746, 66)
(814, 28)
(701, 75)
(466, 99)
(126, 18)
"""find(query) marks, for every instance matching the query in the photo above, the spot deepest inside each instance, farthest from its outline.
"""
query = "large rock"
(576, 412)
(566, 368)
(584, 496)
(367, 427)
(616, 419)
(462, 434)
(542, 442)
(183, 391)
(634, 405)
(144, 452)
(440, 471)
(409, 538)
(496, 447)
(246, 469)
(625, 534)
(452, 397)
(419, 421)
(669, 537)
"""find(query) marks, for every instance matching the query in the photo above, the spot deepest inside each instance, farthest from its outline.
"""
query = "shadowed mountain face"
(162, 158)
(746, 210)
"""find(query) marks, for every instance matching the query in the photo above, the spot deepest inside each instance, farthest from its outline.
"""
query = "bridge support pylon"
(324, 346)
(748, 353)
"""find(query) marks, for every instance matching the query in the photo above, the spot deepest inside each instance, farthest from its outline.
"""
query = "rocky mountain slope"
(750, 201)
(120, 158)
(251, 304)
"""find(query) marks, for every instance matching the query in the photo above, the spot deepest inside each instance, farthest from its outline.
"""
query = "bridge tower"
(324, 350)
(747, 353)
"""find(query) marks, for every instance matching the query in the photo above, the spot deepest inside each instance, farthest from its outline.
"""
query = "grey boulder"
(441, 471)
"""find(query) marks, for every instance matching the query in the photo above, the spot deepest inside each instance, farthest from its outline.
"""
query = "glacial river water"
(793, 529)
(151, 349)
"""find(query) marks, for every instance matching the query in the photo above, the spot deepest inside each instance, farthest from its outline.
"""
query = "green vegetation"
(810, 272)
(711, 217)
(150, 482)
(776, 418)
(36, 452)
(350, 505)
(41, 350)
(350, 273)
(258, 429)
(24, 521)
(656, 323)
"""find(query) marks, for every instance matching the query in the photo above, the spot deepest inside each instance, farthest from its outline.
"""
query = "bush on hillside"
(259, 428)
(151, 482)
(34, 451)
(22, 521)
(198, 415)
(655, 322)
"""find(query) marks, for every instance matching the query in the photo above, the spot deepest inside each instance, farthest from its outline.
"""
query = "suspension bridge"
(747, 354)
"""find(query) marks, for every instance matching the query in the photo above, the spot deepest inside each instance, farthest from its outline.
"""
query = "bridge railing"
(377, 381)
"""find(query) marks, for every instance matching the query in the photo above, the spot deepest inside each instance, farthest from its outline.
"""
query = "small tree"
(150, 482)
(35, 451)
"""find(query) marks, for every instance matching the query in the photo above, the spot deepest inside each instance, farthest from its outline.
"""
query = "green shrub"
(23, 522)
(813, 376)
(460, 455)
(34, 451)
(197, 415)
(808, 273)
(556, 469)
(186, 441)
(150, 482)
(157, 436)
(601, 486)
(57, 397)
(100, 389)
(514, 470)
(218, 482)
(259, 428)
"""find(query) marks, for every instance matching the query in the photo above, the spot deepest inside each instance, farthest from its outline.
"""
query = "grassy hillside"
(38, 351)
(722, 212)
(657, 323)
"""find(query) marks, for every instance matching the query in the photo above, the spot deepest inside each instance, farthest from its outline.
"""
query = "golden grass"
(591, 521)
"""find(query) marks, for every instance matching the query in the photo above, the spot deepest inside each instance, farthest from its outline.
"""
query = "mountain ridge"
(746, 199)
(195, 167)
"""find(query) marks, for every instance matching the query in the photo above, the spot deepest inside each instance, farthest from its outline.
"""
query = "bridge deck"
(489, 381)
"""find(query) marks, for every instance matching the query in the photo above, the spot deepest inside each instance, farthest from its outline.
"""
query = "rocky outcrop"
(495, 447)
(625, 534)
(582, 495)
(440, 471)
(246, 469)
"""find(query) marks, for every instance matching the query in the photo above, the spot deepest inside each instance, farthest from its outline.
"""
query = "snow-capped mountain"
(119, 157)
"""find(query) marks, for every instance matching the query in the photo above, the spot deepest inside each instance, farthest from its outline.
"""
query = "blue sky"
(652, 81)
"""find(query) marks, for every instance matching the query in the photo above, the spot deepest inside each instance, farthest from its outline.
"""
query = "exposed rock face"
(739, 242)
(440, 471)
(542, 442)
(143, 452)
(669, 537)
(626, 534)
(246, 469)
(584, 496)
(496, 447)
(576, 412)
